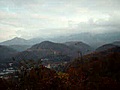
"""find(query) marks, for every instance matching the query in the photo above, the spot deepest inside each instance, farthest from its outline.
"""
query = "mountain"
(6, 53)
(105, 47)
(18, 42)
(80, 46)
(47, 49)
(94, 40)
(51, 46)
(15, 41)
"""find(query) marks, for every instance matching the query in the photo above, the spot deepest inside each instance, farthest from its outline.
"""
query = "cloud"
(110, 24)
(31, 18)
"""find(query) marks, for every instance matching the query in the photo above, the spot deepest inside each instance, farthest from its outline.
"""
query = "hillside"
(48, 49)
(50, 45)
(45, 49)
(99, 71)
(80, 46)
(95, 56)
(6, 53)
(105, 47)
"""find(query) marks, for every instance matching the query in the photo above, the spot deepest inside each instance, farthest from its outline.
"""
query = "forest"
(95, 71)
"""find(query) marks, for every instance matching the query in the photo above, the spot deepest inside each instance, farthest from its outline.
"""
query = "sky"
(50, 18)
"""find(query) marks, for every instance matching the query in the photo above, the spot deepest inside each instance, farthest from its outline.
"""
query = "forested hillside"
(96, 71)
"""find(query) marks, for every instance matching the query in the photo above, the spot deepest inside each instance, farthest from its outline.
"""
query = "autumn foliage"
(100, 73)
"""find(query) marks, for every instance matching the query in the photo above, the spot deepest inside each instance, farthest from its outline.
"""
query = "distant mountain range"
(94, 40)
(15, 41)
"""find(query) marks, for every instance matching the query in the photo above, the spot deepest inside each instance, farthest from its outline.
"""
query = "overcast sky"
(44, 18)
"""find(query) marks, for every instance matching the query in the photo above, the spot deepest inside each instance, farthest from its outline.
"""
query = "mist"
(43, 18)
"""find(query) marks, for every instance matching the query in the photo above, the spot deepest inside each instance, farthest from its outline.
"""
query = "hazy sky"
(44, 18)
